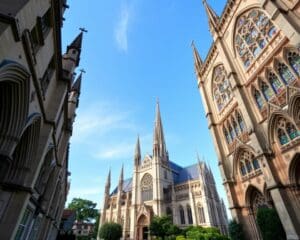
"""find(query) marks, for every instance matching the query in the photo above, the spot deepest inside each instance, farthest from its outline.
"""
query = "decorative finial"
(82, 29)
(82, 70)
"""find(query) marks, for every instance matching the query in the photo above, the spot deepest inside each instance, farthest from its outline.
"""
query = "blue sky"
(135, 52)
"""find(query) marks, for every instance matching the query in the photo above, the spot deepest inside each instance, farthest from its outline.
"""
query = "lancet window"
(221, 87)
(181, 213)
(275, 82)
(189, 213)
(266, 90)
(294, 61)
(285, 73)
(253, 31)
(286, 131)
(147, 187)
(258, 99)
(233, 127)
(248, 163)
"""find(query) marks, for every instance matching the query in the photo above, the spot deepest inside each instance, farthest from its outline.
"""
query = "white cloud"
(116, 151)
(121, 29)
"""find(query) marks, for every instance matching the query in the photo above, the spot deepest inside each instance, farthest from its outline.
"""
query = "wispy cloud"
(121, 29)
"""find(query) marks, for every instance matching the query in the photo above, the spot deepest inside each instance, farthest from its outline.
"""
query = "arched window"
(266, 90)
(275, 82)
(240, 122)
(189, 212)
(285, 73)
(231, 132)
(181, 212)
(147, 187)
(201, 214)
(235, 127)
(258, 99)
(227, 137)
(294, 61)
(221, 87)
(286, 131)
(253, 31)
(248, 163)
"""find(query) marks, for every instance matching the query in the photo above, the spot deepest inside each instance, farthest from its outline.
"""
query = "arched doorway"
(294, 174)
(142, 228)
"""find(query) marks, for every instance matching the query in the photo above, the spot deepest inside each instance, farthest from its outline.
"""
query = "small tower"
(105, 200)
(137, 153)
(71, 58)
(213, 19)
(73, 101)
(119, 197)
(159, 146)
(197, 60)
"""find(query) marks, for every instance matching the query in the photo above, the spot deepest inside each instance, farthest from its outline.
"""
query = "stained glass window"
(286, 131)
(285, 73)
(294, 61)
(241, 122)
(259, 100)
(243, 169)
(247, 163)
(231, 132)
(275, 82)
(253, 30)
(147, 187)
(227, 137)
(221, 87)
(255, 163)
(235, 126)
(266, 90)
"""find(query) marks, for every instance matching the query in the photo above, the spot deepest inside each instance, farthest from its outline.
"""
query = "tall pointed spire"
(107, 184)
(121, 175)
(213, 18)
(108, 178)
(137, 153)
(77, 42)
(197, 59)
(77, 84)
(159, 146)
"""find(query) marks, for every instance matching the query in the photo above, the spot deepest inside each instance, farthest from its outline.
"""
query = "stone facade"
(161, 187)
(38, 99)
(250, 88)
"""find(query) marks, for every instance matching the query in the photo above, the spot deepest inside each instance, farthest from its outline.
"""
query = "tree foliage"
(200, 233)
(235, 231)
(162, 227)
(270, 224)
(111, 231)
(85, 209)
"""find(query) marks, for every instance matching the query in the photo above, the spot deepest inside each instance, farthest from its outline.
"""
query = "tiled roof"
(180, 175)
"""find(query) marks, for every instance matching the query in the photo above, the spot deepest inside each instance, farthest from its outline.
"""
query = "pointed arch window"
(275, 82)
(266, 90)
(227, 137)
(241, 122)
(181, 213)
(235, 127)
(253, 31)
(285, 73)
(248, 163)
(286, 131)
(147, 187)
(221, 87)
(231, 132)
(294, 61)
(258, 99)
(189, 212)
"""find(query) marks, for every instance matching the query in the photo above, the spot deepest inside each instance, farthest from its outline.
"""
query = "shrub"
(111, 231)
(270, 224)
(235, 231)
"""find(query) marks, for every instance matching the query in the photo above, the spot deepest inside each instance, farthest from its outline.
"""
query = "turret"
(105, 200)
(107, 184)
(72, 57)
(137, 153)
(73, 101)
(197, 59)
(159, 146)
(213, 18)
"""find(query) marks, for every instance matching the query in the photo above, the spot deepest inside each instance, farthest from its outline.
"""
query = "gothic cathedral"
(161, 187)
(250, 88)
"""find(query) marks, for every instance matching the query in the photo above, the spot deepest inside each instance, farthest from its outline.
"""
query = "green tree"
(111, 231)
(85, 209)
(163, 227)
(235, 231)
(270, 224)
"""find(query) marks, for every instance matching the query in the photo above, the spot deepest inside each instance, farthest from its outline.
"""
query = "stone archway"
(142, 231)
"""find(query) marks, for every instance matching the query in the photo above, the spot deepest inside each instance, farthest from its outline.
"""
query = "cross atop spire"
(137, 153)
(159, 146)
(213, 18)
(197, 59)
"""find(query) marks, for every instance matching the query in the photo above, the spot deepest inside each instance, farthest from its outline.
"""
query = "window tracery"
(257, 201)
(275, 82)
(285, 73)
(221, 87)
(294, 61)
(253, 31)
(248, 163)
(147, 187)
(266, 90)
(286, 131)
(258, 99)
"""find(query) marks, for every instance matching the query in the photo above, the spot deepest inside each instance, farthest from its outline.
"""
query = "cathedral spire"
(121, 175)
(197, 59)
(107, 184)
(159, 146)
(213, 18)
(137, 153)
